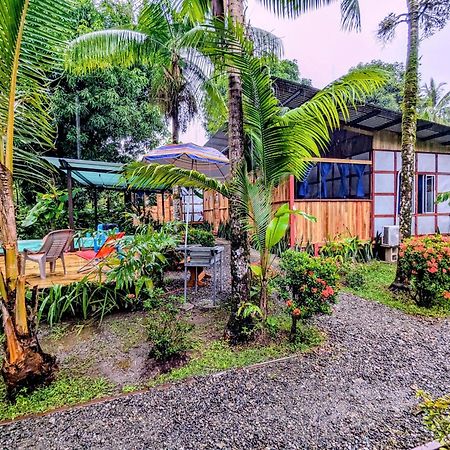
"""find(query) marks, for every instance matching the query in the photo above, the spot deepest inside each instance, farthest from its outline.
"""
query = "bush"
(204, 238)
(85, 300)
(168, 333)
(425, 261)
(436, 416)
(348, 249)
(308, 285)
(355, 278)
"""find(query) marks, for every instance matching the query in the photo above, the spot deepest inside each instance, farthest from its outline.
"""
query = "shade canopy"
(206, 160)
(100, 174)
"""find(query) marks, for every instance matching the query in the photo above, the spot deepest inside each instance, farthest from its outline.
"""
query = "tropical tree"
(277, 144)
(178, 73)
(390, 95)
(434, 102)
(423, 18)
(31, 37)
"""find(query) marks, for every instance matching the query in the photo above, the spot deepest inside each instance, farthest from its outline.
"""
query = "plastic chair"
(54, 245)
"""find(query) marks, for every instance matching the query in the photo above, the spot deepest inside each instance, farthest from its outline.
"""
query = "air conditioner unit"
(391, 236)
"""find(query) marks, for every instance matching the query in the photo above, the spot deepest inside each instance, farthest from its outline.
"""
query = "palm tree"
(31, 34)
(277, 144)
(423, 17)
(434, 102)
(179, 74)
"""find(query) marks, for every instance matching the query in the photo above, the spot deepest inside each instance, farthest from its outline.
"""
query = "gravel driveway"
(355, 393)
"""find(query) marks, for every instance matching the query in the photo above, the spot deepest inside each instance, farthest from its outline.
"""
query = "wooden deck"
(73, 263)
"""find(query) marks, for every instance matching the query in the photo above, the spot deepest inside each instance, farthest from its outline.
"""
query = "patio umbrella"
(207, 160)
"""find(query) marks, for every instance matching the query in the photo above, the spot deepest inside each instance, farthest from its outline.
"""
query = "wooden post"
(70, 199)
(291, 206)
(95, 207)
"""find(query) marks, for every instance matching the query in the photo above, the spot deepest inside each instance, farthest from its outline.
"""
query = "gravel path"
(355, 393)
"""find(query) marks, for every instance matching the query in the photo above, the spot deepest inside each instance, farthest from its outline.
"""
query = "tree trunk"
(25, 364)
(409, 128)
(240, 249)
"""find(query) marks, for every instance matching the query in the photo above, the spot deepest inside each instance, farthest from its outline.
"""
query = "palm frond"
(165, 176)
(32, 37)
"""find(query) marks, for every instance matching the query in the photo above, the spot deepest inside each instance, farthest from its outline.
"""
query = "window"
(335, 180)
(426, 194)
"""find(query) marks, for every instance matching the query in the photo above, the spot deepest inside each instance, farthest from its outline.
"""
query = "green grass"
(218, 356)
(64, 391)
(378, 277)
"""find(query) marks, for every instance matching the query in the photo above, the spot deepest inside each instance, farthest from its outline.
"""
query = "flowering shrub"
(426, 263)
(308, 285)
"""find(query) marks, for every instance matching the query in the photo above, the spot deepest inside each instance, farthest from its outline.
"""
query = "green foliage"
(378, 276)
(309, 284)
(83, 299)
(50, 210)
(436, 416)
(390, 95)
(141, 265)
(204, 238)
(64, 391)
(116, 118)
(354, 278)
(434, 103)
(351, 249)
(425, 261)
(218, 355)
(168, 333)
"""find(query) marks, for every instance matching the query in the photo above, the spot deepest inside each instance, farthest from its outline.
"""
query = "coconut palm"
(277, 144)
(423, 18)
(434, 102)
(31, 33)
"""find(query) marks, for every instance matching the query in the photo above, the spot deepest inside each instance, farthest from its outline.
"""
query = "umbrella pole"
(185, 254)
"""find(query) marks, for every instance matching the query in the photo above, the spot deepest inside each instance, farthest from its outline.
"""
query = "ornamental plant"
(425, 261)
(308, 285)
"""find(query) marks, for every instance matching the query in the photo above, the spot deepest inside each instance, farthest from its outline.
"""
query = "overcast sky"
(324, 52)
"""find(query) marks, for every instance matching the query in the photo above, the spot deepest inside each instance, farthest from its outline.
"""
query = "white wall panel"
(425, 225)
(444, 224)
(384, 205)
(384, 183)
(444, 163)
(398, 155)
(384, 160)
(426, 162)
(443, 185)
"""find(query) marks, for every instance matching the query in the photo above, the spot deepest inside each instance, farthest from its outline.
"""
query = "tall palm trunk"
(409, 129)
(25, 364)
(240, 249)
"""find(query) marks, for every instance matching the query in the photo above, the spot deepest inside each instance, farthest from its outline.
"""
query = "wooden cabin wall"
(163, 211)
(215, 209)
(215, 206)
(334, 218)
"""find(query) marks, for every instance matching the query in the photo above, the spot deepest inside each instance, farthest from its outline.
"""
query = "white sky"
(324, 52)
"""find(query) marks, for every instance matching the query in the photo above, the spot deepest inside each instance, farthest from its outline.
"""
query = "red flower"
(313, 290)
(289, 303)
(296, 312)
(446, 295)
(432, 269)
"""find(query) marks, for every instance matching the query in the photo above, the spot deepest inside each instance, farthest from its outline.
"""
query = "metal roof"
(101, 174)
(365, 117)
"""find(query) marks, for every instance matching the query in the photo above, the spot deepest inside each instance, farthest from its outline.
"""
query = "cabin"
(354, 188)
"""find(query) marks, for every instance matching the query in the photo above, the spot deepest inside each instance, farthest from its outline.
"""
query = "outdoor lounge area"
(201, 250)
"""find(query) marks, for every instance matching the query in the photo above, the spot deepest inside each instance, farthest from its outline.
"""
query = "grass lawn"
(378, 276)
(102, 360)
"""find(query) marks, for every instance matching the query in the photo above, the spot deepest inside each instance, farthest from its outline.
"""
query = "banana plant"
(31, 35)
